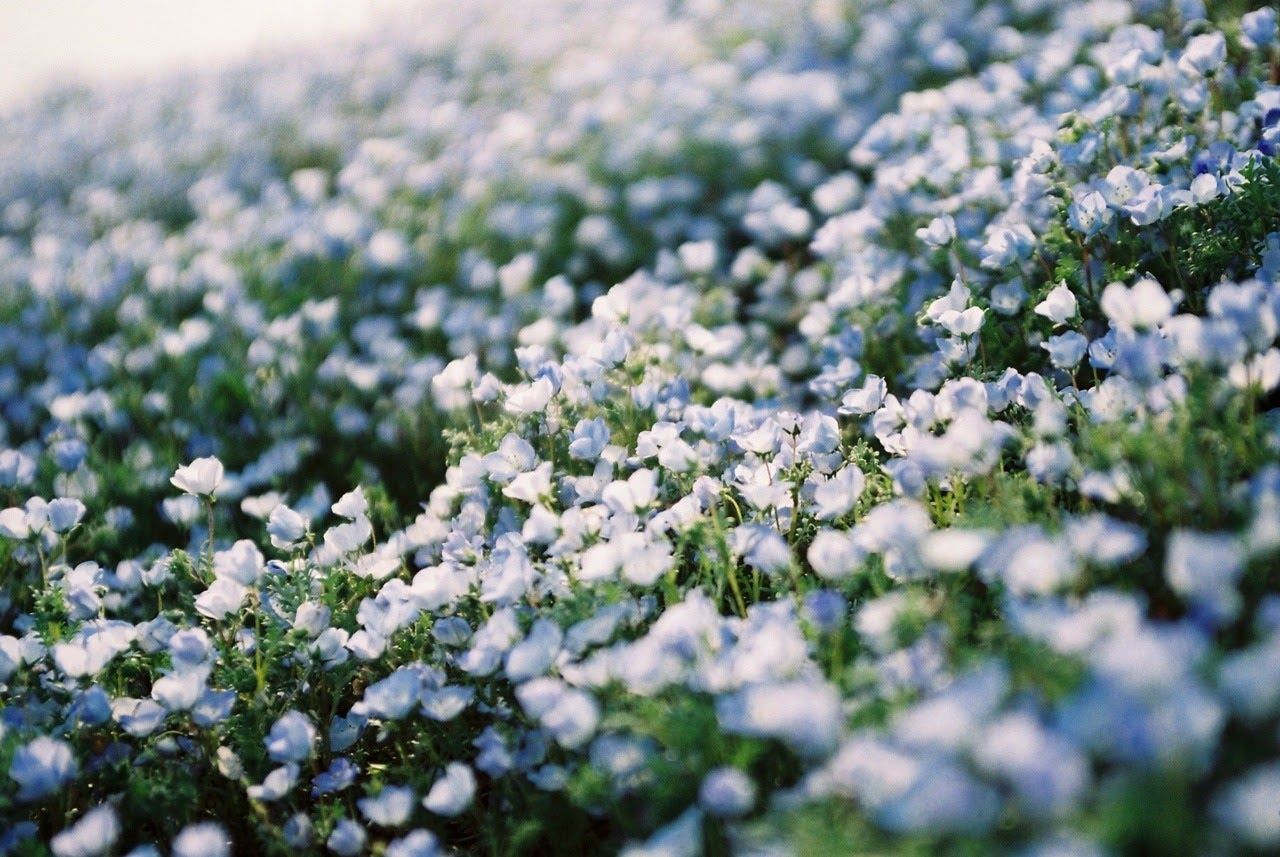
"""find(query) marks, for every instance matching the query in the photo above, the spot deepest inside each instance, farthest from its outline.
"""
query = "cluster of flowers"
(837, 458)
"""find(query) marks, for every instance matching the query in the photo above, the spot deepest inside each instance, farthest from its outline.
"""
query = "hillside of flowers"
(754, 427)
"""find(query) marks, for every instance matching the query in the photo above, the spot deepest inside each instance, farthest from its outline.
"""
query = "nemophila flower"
(292, 738)
(1262, 372)
(341, 774)
(1144, 305)
(137, 717)
(762, 548)
(347, 838)
(95, 832)
(446, 703)
(536, 573)
(826, 609)
(13, 523)
(223, 597)
(1204, 54)
(804, 715)
(394, 696)
(1245, 806)
(276, 785)
(1059, 306)
(1258, 28)
(1047, 772)
(940, 232)
(834, 555)
(179, 691)
(1006, 245)
(1089, 214)
(213, 707)
(64, 513)
(1205, 188)
(569, 715)
(286, 527)
(41, 767)
(534, 655)
(391, 807)
(589, 439)
(727, 793)
(298, 830)
(1205, 568)
(532, 486)
(200, 478)
(514, 456)
(633, 494)
(836, 495)
(183, 511)
(953, 549)
(205, 839)
(452, 793)
(1066, 350)
(242, 562)
(16, 468)
(418, 843)
(349, 537)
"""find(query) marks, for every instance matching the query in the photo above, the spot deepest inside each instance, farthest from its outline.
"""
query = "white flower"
(1205, 187)
(416, 843)
(638, 491)
(1123, 184)
(200, 478)
(349, 537)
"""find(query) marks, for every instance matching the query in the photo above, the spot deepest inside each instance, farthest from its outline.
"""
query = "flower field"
(761, 427)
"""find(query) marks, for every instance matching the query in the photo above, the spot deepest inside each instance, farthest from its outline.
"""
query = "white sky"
(42, 41)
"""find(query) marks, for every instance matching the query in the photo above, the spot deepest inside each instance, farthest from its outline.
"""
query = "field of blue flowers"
(761, 427)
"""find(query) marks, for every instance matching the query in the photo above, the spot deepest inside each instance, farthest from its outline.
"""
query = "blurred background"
(52, 42)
